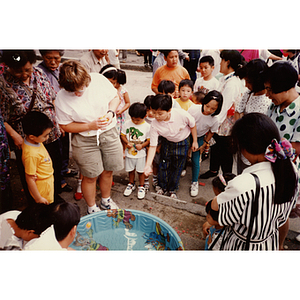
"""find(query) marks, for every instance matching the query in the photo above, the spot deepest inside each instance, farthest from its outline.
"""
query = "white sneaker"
(194, 189)
(173, 195)
(159, 190)
(183, 173)
(109, 204)
(129, 189)
(96, 209)
(141, 192)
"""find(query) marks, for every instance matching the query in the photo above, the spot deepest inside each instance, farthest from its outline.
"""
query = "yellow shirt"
(37, 161)
(185, 104)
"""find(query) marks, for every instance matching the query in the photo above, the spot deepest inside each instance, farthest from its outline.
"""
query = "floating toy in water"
(88, 225)
(121, 215)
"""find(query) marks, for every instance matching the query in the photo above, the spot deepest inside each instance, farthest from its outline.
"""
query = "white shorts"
(137, 164)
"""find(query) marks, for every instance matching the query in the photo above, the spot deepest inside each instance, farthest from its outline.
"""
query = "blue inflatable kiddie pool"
(120, 229)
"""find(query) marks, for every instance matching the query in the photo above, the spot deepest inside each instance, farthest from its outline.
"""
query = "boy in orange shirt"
(170, 71)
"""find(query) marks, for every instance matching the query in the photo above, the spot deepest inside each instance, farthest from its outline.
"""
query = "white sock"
(105, 199)
(79, 186)
(91, 208)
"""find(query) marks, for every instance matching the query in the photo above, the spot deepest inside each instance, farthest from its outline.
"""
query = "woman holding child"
(270, 157)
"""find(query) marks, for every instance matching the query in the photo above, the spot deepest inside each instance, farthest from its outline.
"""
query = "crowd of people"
(238, 105)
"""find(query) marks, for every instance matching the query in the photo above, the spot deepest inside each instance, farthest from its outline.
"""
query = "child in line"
(207, 81)
(197, 97)
(35, 157)
(185, 89)
(167, 87)
(136, 136)
(118, 78)
(149, 118)
(174, 126)
(207, 124)
(211, 227)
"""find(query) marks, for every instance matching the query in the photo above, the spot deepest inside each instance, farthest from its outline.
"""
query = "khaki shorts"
(92, 159)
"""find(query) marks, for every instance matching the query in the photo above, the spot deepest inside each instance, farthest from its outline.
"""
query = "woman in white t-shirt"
(86, 106)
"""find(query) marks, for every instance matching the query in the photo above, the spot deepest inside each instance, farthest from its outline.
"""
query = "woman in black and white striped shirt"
(257, 138)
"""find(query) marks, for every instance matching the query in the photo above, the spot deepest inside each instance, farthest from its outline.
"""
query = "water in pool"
(119, 239)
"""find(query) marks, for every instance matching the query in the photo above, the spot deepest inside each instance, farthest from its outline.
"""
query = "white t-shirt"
(7, 237)
(136, 134)
(94, 103)
(215, 54)
(177, 129)
(264, 54)
(206, 85)
(203, 123)
(46, 241)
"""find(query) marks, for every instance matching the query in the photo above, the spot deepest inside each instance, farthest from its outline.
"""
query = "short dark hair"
(254, 72)
(186, 82)
(35, 123)
(235, 58)
(16, 59)
(65, 216)
(35, 217)
(44, 52)
(162, 101)
(218, 184)
(281, 76)
(111, 74)
(137, 110)
(166, 87)
(213, 95)
(147, 101)
(207, 59)
(199, 96)
(121, 77)
(166, 52)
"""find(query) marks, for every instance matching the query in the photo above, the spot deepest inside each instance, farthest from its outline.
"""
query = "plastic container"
(120, 229)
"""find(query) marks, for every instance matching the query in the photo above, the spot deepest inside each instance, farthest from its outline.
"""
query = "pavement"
(185, 214)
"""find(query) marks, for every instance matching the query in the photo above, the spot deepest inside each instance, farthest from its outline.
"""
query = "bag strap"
(211, 246)
(254, 211)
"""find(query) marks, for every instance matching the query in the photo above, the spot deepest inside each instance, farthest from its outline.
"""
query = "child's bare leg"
(141, 179)
(132, 176)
